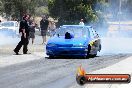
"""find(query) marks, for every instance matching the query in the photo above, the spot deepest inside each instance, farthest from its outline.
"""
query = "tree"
(24, 6)
(71, 11)
(17, 8)
(41, 10)
(1, 7)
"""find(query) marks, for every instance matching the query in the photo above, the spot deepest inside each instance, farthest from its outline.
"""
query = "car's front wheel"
(88, 52)
(51, 57)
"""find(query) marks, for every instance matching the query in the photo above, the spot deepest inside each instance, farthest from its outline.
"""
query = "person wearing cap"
(44, 26)
(24, 32)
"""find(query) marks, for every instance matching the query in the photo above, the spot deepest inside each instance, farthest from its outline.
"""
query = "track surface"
(52, 73)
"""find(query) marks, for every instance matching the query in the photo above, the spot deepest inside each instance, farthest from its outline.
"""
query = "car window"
(7, 24)
(76, 31)
(93, 33)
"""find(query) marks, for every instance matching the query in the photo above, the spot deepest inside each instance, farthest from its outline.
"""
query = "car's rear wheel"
(94, 55)
(88, 52)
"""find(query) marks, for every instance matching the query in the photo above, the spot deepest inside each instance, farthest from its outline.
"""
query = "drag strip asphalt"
(52, 73)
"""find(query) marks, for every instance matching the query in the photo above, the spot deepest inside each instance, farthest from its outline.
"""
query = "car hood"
(74, 41)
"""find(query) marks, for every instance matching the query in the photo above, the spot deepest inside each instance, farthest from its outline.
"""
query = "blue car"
(73, 40)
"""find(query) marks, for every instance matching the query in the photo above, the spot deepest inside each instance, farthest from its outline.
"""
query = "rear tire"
(88, 52)
(94, 55)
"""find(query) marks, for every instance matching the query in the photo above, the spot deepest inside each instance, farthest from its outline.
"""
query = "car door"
(17, 27)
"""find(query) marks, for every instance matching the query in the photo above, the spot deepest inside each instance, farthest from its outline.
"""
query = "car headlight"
(51, 45)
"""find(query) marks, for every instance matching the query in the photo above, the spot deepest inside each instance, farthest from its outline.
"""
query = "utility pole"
(120, 14)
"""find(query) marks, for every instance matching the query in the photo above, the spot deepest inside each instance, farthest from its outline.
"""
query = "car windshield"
(7, 24)
(76, 31)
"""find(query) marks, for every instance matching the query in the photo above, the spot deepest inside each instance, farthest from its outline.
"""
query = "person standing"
(44, 25)
(81, 22)
(32, 31)
(24, 32)
(52, 27)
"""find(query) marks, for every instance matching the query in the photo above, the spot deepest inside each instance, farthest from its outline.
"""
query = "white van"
(10, 26)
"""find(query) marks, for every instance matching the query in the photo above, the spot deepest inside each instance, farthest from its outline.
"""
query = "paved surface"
(8, 44)
(50, 73)
(6, 60)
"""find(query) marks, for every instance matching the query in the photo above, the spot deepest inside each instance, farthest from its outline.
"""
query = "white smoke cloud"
(118, 37)
(6, 40)
(116, 45)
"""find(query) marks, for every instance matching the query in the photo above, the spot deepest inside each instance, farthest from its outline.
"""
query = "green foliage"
(71, 11)
(66, 11)
(1, 7)
(17, 8)
(41, 10)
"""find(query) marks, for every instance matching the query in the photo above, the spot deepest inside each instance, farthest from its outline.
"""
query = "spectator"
(81, 22)
(51, 27)
(32, 31)
(24, 32)
(44, 25)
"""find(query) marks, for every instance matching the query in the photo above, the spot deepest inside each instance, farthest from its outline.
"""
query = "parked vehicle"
(9, 27)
